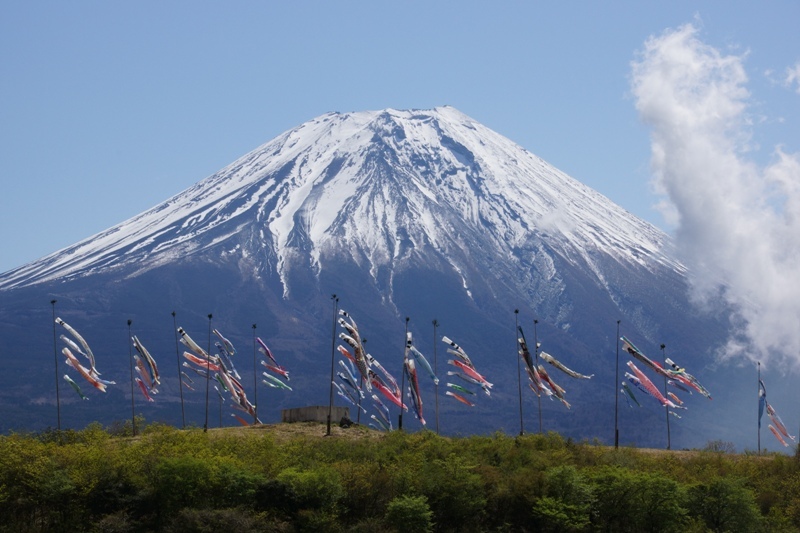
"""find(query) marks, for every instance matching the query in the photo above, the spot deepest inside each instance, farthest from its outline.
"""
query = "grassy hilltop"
(290, 477)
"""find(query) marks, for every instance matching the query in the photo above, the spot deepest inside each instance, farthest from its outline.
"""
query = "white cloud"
(793, 77)
(737, 225)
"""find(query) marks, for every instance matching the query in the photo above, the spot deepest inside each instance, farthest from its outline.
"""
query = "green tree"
(277, 497)
(725, 505)
(455, 492)
(316, 488)
(567, 505)
(182, 482)
(216, 520)
(660, 503)
(234, 485)
(638, 501)
(409, 514)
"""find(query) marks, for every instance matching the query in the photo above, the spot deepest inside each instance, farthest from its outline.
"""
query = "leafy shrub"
(725, 504)
(216, 520)
(183, 482)
(318, 488)
(410, 514)
(177, 480)
(629, 500)
(568, 503)
(454, 491)
(719, 446)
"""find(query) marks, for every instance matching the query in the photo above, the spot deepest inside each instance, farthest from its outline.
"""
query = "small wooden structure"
(314, 413)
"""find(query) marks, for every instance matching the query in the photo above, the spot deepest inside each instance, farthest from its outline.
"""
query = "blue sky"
(108, 108)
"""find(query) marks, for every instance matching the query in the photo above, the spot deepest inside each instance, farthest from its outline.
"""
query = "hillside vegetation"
(290, 477)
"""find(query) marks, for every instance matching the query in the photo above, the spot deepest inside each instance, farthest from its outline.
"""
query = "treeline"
(249, 479)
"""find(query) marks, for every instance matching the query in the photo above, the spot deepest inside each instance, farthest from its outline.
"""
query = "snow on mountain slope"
(379, 187)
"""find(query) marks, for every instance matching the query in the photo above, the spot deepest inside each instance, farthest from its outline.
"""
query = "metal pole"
(519, 376)
(759, 418)
(208, 372)
(666, 407)
(55, 360)
(436, 325)
(361, 384)
(536, 352)
(333, 350)
(616, 397)
(130, 360)
(255, 379)
(178, 358)
(403, 376)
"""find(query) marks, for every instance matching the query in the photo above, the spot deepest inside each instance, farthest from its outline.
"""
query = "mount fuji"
(425, 214)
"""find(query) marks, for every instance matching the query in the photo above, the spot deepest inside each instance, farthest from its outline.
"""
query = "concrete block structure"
(314, 413)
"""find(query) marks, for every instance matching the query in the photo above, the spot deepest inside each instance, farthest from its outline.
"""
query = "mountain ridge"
(424, 214)
(324, 192)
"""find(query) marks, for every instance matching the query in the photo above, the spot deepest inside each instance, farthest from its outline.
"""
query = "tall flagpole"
(403, 376)
(130, 359)
(255, 379)
(436, 385)
(536, 351)
(208, 371)
(361, 383)
(333, 350)
(55, 360)
(616, 395)
(519, 378)
(666, 407)
(178, 358)
(759, 407)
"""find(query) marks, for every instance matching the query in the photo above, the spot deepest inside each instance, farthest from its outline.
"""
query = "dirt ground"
(286, 431)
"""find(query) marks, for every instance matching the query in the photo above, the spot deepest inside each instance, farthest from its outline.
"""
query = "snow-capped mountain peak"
(378, 187)
(422, 214)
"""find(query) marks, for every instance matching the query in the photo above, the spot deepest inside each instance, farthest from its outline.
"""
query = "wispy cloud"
(737, 224)
(792, 78)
